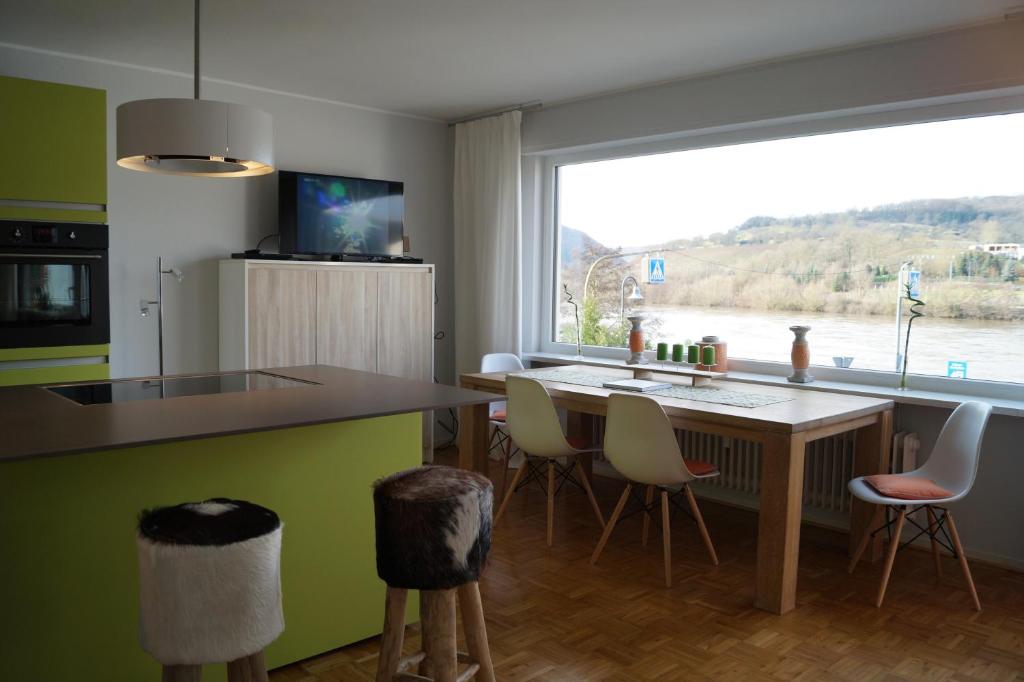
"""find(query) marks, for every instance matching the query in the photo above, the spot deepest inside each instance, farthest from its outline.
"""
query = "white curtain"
(487, 239)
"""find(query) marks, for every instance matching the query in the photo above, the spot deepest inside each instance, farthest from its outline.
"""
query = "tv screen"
(331, 215)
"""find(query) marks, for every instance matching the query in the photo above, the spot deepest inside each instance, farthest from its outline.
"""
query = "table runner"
(705, 394)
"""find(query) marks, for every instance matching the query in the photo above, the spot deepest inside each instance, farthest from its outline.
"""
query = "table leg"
(580, 424)
(778, 533)
(870, 456)
(474, 437)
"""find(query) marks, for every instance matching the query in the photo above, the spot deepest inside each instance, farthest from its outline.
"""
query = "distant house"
(1008, 250)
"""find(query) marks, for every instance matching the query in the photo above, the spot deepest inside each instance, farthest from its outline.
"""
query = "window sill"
(949, 400)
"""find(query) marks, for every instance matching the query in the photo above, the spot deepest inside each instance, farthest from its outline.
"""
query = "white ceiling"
(449, 58)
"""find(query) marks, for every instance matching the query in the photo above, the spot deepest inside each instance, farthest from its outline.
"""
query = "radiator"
(828, 467)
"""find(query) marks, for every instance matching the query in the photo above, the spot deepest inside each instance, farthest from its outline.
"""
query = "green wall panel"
(55, 142)
(68, 571)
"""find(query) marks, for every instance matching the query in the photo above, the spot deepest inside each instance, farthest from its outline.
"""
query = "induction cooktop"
(177, 387)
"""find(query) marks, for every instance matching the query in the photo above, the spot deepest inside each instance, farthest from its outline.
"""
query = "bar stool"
(433, 535)
(209, 587)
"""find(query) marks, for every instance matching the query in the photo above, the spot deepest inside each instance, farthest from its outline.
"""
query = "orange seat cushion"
(498, 415)
(907, 487)
(577, 442)
(699, 468)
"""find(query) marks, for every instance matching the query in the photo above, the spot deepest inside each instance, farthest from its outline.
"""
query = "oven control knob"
(72, 235)
(17, 233)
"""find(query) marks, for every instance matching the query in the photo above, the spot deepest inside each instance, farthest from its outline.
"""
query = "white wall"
(192, 222)
(950, 65)
(943, 75)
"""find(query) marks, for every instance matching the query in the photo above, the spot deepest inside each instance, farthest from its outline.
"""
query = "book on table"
(636, 385)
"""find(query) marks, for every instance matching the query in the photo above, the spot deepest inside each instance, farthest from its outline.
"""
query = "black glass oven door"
(53, 299)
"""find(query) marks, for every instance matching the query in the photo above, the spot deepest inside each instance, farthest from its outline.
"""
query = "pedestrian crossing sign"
(656, 270)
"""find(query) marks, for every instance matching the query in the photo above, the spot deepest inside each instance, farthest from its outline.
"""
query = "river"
(993, 349)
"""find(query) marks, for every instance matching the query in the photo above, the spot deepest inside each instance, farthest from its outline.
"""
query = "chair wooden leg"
(666, 538)
(394, 633)
(695, 510)
(438, 623)
(511, 490)
(648, 498)
(933, 528)
(182, 673)
(866, 538)
(610, 526)
(476, 631)
(955, 537)
(551, 502)
(894, 545)
(506, 461)
(585, 482)
(248, 669)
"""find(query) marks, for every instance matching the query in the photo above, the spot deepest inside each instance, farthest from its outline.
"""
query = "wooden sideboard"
(365, 316)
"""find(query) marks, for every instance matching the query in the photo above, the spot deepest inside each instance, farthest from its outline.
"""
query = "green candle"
(693, 354)
(662, 352)
(677, 352)
(708, 354)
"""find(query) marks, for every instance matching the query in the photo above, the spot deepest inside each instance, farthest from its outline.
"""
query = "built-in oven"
(54, 284)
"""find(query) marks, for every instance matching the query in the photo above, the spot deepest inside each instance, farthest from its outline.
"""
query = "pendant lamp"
(196, 137)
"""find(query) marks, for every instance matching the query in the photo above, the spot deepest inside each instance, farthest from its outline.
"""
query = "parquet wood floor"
(553, 616)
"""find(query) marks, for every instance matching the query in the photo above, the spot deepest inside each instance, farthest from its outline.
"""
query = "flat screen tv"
(331, 215)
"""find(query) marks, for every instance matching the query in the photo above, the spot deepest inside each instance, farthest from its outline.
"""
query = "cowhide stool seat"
(210, 587)
(433, 535)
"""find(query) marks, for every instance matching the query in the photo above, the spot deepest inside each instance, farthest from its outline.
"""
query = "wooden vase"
(800, 356)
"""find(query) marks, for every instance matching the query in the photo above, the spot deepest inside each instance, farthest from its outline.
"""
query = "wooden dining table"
(783, 429)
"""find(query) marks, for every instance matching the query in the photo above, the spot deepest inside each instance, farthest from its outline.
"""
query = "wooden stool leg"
(551, 501)
(894, 545)
(695, 510)
(933, 527)
(394, 633)
(610, 526)
(248, 669)
(476, 630)
(438, 614)
(585, 482)
(955, 537)
(648, 498)
(666, 538)
(182, 673)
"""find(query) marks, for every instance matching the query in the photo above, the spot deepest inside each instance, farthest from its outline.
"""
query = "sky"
(648, 200)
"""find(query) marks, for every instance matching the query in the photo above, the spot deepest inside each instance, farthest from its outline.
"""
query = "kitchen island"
(78, 464)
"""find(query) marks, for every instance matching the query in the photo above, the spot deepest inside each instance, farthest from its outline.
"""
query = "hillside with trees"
(836, 262)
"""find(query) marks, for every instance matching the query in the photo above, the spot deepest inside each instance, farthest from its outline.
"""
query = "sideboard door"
(282, 322)
(346, 319)
(405, 344)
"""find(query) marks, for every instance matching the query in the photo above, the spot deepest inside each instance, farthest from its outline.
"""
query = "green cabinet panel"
(69, 577)
(54, 142)
(54, 374)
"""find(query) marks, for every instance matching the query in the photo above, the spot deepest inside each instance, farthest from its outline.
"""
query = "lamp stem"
(196, 46)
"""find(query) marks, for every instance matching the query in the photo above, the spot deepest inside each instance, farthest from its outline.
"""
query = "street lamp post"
(635, 296)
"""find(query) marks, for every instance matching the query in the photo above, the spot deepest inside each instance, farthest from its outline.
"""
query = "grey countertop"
(35, 422)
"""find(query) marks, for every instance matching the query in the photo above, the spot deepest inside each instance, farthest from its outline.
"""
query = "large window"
(816, 230)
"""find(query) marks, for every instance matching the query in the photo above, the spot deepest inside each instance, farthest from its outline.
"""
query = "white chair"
(500, 440)
(533, 424)
(946, 477)
(641, 444)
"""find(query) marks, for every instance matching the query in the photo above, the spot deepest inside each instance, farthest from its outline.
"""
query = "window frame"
(540, 170)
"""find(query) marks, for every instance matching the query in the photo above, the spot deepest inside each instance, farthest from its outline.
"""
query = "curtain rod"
(526, 106)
